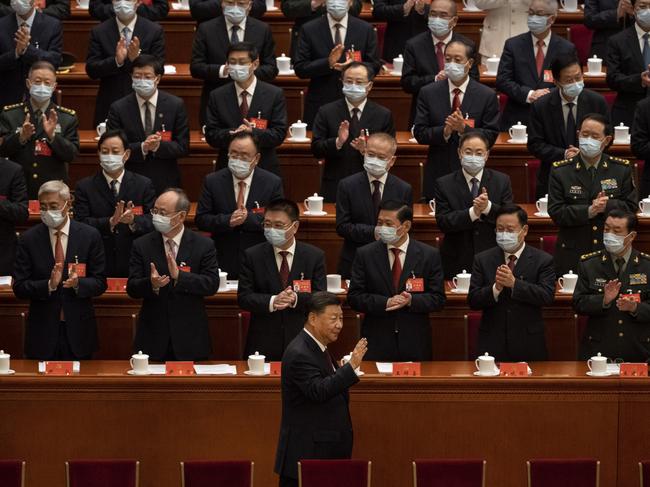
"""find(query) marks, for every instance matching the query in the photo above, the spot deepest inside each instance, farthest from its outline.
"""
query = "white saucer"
(250, 372)
(476, 9)
(625, 142)
(513, 141)
(490, 73)
(96, 137)
(493, 374)
(293, 139)
(541, 215)
(459, 291)
(564, 291)
(413, 140)
(291, 72)
(594, 75)
(272, 9)
(591, 374)
(360, 373)
(563, 10)
(432, 213)
(9, 372)
(132, 372)
(643, 215)
(336, 291)
(395, 73)
(315, 213)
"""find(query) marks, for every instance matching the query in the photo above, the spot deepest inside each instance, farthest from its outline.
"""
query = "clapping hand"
(611, 291)
(359, 351)
(158, 281)
(49, 123)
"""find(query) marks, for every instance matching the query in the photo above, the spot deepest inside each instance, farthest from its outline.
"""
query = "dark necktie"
(397, 268)
(539, 58)
(376, 195)
(440, 55)
(571, 126)
(148, 120)
(234, 38)
(620, 263)
(114, 188)
(329, 363)
(511, 262)
(354, 124)
(592, 172)
(455, 104)
(474, 182)
(37, 118)
(646, 50)
(337, 35)
(243, 107)
(284, 268)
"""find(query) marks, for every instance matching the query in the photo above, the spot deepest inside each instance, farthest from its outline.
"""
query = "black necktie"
(571, 126)
(620, 263)
(376, 195)
(148, 122)
(329, 363)
(354, 124)
(592, 172)
(234, 38)
(114, 188)
(474, 182)
(337, 35)
(646, 50)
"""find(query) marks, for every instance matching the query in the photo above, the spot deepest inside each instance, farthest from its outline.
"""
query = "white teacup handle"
(432, 205)
(641, 206)
(561, 283)
(511, 133)
(589, 362)
(538, 206)
(307, 204)
(291, 130)
(476, 363)
(454, 282)
(131, 359)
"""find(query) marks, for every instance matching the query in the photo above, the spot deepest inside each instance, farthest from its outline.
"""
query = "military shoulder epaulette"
(562, 163)
(619, 160)
(590, 255)
(69, 111)
(15, 105)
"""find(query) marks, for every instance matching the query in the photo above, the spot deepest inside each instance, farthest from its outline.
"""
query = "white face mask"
(21, 7)
(472, 164)
(40, 92)
(162, 224)
(375, 166)
(614, 244)
(508, 241)
(54, 218)
(111, 162)
(388, 235)
(240, 169)
(124, 10)
(238, 72)
(144, 87)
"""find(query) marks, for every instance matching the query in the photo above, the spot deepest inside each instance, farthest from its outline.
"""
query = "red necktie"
(58, 249)
(511, 262)
(440, 55)
(240, 195)
(539, 58)
(284, 269)
(397, 268)
(243, 108)
(455, 105)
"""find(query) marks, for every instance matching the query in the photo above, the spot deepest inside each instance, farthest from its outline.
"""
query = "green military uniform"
(42, 160)
(613, 333)
(571, 192)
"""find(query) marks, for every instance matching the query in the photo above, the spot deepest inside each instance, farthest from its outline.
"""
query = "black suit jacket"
(176, 314)
(103, 10)
(547, 137)
(94, 205)
(512, 328)
(59, 9)
(216, 205)
(13, 210)
(311, 60)
(640, 143)
(518, 74)
(202, 10)
(316, 420)
(32, 270)
(404, 334)
(223, 115)
(421, 65)
(342, 163)
(624, 67)
(259, 279)
(160, 167)
(399, 29)
(355, 214)
(463, 237)
(433, 107)
(115, 81)
(601, 17)
(45, 45)
(210, 48)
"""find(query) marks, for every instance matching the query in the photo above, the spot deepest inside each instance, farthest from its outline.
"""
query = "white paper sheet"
(385, 367)
(5, 280)
(218, 369)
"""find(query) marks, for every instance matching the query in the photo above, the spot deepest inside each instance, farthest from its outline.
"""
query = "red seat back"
(503, 100)
(532, 166)
(448, 473)
(244, 324)
(472, 325)
(610, 98)
(547, 243)
(380, 29)
(329, 473)
(581, 37)
(12, 473)
(577, 472)
(217, 473)
(102, 473)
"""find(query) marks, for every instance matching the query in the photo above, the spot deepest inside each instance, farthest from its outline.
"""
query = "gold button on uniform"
(594, 227)
(35, 176)
(620, 322)
(35, 164)
(620, 334)
(595, 241)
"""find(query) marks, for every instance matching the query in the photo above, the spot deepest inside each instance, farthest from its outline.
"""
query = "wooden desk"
(446, 413)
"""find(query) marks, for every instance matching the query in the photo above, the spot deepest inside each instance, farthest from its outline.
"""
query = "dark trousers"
(63, 350)
(288, 482)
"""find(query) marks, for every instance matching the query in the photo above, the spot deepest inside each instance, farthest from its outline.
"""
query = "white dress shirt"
(320, 345)
(402, 254)
(468, 177)
(250, 90)
(461, 95)
(382, 183)
(640, 33)
(130, 26)
(343, 29)
(506, 257)
(445, 41)
(361, 106)
(29, 20)
(278, 261)
(109, 179)
(247, 186)
(177, 240)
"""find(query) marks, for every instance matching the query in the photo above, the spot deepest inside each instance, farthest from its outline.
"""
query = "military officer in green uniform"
(41, 136)
(612, 290)
(583, 189)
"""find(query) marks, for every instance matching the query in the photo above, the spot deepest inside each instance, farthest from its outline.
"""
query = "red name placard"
(519, 369)
(179, 368)
(58, 368)
(634, 370)
(116, 284)
(34, 207)
(276, 368)
(406, 368)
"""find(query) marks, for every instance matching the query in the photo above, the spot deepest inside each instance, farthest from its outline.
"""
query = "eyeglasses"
(156, 211)
(277, 225)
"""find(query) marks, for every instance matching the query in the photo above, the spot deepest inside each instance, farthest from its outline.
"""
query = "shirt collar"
(241, 25)
(445, 41)
(462, 88)
(639, 31)
(130, 25)
(39, 106)
(468, 176)
(291, 250)
(109, 178)
(332, 22)
(250, 90)
(320, 345)
(65, 230)
(626, 255)
(382, 179)
(361, 106)
(402, 247)
(29, 21)
(546, 39)
(247, 180)
(564, 100)
(177, 239)
(516, 254)
(153, 100)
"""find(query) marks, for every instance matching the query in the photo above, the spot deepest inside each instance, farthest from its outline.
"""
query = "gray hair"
(551, 6)
(55, 186)
(385, 138)
(183, 203)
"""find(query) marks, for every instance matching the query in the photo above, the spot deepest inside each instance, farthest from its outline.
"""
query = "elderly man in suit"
(172, 270)
(504, 19)
(153, 10)
(327, 45)
(360, 195)
(467, 202)
(276, 281)
(59, 267)
(248, 105)
(26, 36)
(13, 210)
(450, 108)
(553, 133)
(316, 420)
(232, 202)
(342, 127)
(525, 73)
(162, 136)
(211, 49)
(510, 284)
(116, 202)
(203, 10)
(114, 46)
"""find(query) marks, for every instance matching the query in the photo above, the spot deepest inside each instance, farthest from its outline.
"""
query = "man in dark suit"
(360, 195)
(640, 143)
(26, 36)
(316, 420)
(276, 281)
(449, 108)
(404, 19)
(606, 18)
(59, 267)
(424, 54)
(467, 202)
(39, 135)
(211, 50)
(114, 45)
(155, 123)
(583, 189)
(612, 290)
(326, 46)
(552, 133)
(263, 112)
(510, 284)
(396, 282)
(202, 10)
(153, 10)
(116, 202)
(59, 9)
(13, 210)
(628, 64)
(341, 128)
(172, 270)
(525, 68)
(232, 202)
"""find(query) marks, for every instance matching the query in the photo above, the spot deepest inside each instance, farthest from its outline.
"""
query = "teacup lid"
(298, 124)
(140, 355)
(283, 57)
(621, 126)
(569, 275)
(398, 57)
(315, 197)
(595, 58)
(519, 125)
(486, 356)
(598, 357)
(3, 354)
(257, 356)
(463, 274)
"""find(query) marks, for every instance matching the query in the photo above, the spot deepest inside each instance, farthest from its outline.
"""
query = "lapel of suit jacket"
(256, 190)
(139, 32)
(257, 103)
(161, 110)
(381, 260)
(159, 252)
(608, 266)
(583, 175)
(99, 181)
(523, 262)
(135, 117)
(446, 96)
(272, 267)
(232, 105)
(464, 195)
(553, 46)
(36, 29)
(44, 240)
(557, 114)
(486, 181)
(127, 182)
(468, 100)
(367, 115)
(222, 34)
(366, 196)
(633, 43)
(72, 250)
(184, 251)
(413, 256)
(321, 357)
(326, 34)
(427, 56)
